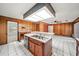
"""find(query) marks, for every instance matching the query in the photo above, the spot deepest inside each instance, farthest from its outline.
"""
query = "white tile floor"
(62, 46)
(14, 49)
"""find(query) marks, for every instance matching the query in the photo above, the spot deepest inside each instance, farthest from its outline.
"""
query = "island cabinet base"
(38, 48)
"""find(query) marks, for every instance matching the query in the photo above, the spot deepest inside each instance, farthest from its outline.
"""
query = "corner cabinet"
(38, 48)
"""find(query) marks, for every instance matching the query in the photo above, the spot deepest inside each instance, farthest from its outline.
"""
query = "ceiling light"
(44, 13)
(36, 17)
(33, 18)
(40, 12)
(40, 15)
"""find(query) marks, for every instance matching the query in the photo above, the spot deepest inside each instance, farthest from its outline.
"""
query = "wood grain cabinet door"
(31, 47)
(38, 50)
(3, 31)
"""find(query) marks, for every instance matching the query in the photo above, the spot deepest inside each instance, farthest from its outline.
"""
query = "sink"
(40, 37)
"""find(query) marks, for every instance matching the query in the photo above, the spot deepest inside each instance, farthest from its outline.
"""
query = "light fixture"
(33, 18)
(44, 13)
(39, 12)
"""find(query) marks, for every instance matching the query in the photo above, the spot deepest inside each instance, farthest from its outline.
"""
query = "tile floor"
(14, 49)
(62, 46)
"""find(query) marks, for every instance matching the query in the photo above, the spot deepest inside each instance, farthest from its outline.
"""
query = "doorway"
(50, 29)
(12, 31)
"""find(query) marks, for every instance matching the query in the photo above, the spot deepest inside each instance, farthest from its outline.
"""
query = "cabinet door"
(55, 28)
(67, 30)
(59, 29)
(31, 47)
(62, 29)
(3, 31)
(38, 50)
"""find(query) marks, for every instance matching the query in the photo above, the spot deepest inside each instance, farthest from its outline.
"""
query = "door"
(76, 30)
(50, 29)
(12, 31)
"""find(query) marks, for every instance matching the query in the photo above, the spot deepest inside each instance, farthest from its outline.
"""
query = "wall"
(76, 30)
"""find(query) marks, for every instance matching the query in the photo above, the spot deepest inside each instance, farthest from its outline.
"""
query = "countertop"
(44, 41)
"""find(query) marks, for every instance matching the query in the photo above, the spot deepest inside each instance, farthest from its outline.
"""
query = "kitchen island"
(39, 45)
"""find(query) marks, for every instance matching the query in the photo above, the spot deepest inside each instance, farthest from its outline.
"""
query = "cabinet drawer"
(36, 42)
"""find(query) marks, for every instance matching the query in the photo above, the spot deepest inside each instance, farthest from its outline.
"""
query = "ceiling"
(15, 10)
(64, 11)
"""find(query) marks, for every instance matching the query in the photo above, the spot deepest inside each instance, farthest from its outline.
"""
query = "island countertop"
(47, 38)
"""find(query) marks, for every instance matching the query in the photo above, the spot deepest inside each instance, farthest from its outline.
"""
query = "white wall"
(76, 30)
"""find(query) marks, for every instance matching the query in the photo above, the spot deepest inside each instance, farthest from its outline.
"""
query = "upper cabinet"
(63, 29)
(3, 30)
(25, 26)
(43, 27)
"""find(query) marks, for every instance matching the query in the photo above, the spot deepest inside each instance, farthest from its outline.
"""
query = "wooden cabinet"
(37, 27)
(33, 26)
(3, 30)
(38, 48)
(43, 27)
(68, 29)
(31, 46)
(63, 29)
(21, 35)
(56, 28)
(58, 31)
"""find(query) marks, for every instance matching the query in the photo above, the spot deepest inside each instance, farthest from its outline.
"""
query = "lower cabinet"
(38, 48)
(31, 46)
